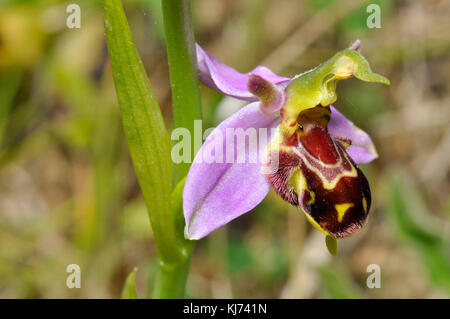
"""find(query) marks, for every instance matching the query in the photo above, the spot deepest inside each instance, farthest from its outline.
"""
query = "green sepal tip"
(331, 245)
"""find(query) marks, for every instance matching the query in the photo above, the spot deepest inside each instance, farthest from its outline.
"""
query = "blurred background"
(69, 195)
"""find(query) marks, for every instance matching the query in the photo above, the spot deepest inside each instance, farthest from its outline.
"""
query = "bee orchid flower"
(309, 157)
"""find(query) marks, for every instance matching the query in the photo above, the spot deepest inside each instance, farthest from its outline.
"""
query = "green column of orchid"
(149, 147)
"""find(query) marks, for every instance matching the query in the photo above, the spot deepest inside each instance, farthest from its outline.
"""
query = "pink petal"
(227, 80)
(362, 149)
(215, 193)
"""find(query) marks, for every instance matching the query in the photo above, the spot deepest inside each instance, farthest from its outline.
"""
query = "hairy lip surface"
(334, 193)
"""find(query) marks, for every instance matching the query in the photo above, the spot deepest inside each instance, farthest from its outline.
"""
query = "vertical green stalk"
(186, 105)
(171, 281)
(183, 70)
(149, 146)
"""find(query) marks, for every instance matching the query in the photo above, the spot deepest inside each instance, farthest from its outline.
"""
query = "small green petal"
(331, 245)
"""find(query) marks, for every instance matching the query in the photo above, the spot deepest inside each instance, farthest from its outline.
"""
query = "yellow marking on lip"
(315, 224)
(299, 180)
(341, 209)
(364, 202)
(312, 199)
(329, 185)
(275, 145)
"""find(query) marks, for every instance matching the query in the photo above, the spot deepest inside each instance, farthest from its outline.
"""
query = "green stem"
(171, 279)
(183, 71)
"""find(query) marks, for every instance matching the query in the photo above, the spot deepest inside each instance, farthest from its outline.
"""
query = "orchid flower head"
(310, 150)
